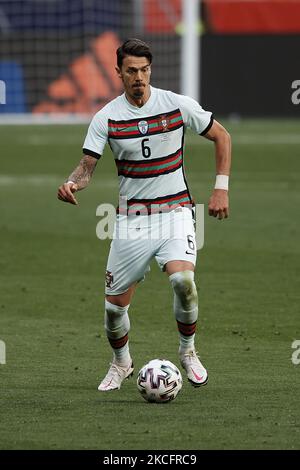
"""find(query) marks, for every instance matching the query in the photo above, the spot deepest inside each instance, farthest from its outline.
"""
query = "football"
(159, 381)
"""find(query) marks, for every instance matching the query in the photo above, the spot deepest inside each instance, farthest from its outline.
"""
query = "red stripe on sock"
(186, 329)
(118, 343)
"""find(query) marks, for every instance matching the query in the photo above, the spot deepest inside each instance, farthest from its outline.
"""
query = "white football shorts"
(137, 240)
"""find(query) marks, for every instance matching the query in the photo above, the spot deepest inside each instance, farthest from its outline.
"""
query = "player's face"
(135, 75)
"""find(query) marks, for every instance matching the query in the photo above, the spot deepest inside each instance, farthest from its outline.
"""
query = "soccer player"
(145, 129)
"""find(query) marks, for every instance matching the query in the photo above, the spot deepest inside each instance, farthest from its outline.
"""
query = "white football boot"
(196, 372)
(115, 376)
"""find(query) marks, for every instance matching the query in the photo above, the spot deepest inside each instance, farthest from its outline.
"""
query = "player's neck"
(141, 100)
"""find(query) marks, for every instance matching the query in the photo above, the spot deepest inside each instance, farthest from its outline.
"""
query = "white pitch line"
(285, 139)
(36, 140)
(252, 139)
(39, 140)
(47, 180)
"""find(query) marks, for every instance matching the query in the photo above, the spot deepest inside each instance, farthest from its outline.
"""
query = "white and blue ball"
(159, 381)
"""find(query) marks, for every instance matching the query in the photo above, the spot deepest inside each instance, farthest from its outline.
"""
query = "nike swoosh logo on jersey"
(189, 253)
(119, 129)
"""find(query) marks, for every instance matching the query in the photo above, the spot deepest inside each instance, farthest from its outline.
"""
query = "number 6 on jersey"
(146, 151)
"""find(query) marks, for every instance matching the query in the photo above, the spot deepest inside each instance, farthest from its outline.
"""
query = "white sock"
(117, 326)
(185, 308)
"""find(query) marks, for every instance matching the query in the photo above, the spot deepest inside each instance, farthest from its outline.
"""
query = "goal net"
(57, 57)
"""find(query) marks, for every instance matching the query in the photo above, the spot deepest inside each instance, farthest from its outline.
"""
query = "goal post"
(190, 49)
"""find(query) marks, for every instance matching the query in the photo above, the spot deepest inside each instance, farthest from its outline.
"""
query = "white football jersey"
(148, 144)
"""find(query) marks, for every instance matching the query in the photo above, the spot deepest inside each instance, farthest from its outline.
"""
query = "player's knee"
(116, 319)
(185, 288)
(115, 311)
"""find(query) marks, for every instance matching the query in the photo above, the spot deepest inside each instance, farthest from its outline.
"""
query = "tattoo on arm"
(84, 171)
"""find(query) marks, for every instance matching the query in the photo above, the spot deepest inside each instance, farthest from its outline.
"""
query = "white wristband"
(70, 182)
(222, 182)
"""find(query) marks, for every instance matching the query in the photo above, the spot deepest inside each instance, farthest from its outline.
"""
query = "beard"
(138, 91)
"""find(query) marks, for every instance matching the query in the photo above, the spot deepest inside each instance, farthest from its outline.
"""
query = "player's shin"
(185, 308)
(117, 326)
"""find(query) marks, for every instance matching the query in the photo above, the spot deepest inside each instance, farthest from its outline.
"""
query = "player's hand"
(219, 204)
(65, 193)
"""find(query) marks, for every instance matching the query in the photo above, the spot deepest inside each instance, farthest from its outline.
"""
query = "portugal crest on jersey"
(143, 127)
(164, 122)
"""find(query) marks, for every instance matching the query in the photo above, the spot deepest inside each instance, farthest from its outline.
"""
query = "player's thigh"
(176, 266)
(127, 264)
(177, 250)
(122, 299)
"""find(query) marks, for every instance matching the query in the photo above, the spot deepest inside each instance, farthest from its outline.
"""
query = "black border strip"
(209, 125)
(141, 458)
(91, 153)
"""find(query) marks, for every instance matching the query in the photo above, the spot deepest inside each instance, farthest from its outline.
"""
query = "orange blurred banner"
(253, 16)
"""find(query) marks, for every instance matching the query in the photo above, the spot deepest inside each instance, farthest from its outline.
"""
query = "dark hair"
(135, 47)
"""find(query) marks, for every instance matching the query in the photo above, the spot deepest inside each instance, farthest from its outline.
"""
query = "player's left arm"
(219, 201)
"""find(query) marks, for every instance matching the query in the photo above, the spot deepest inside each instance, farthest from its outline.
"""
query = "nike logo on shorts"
(189, 253)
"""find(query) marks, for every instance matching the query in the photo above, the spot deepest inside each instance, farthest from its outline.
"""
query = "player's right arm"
(78, 179)
(93, 147)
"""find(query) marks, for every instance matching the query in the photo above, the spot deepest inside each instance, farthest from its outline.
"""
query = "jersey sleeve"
(194, 116)
(97, 135)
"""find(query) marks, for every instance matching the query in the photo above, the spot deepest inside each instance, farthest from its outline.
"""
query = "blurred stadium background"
(58, 56)
(57, 61)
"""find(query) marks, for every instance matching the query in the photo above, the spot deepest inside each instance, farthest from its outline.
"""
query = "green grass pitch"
(51, 304)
